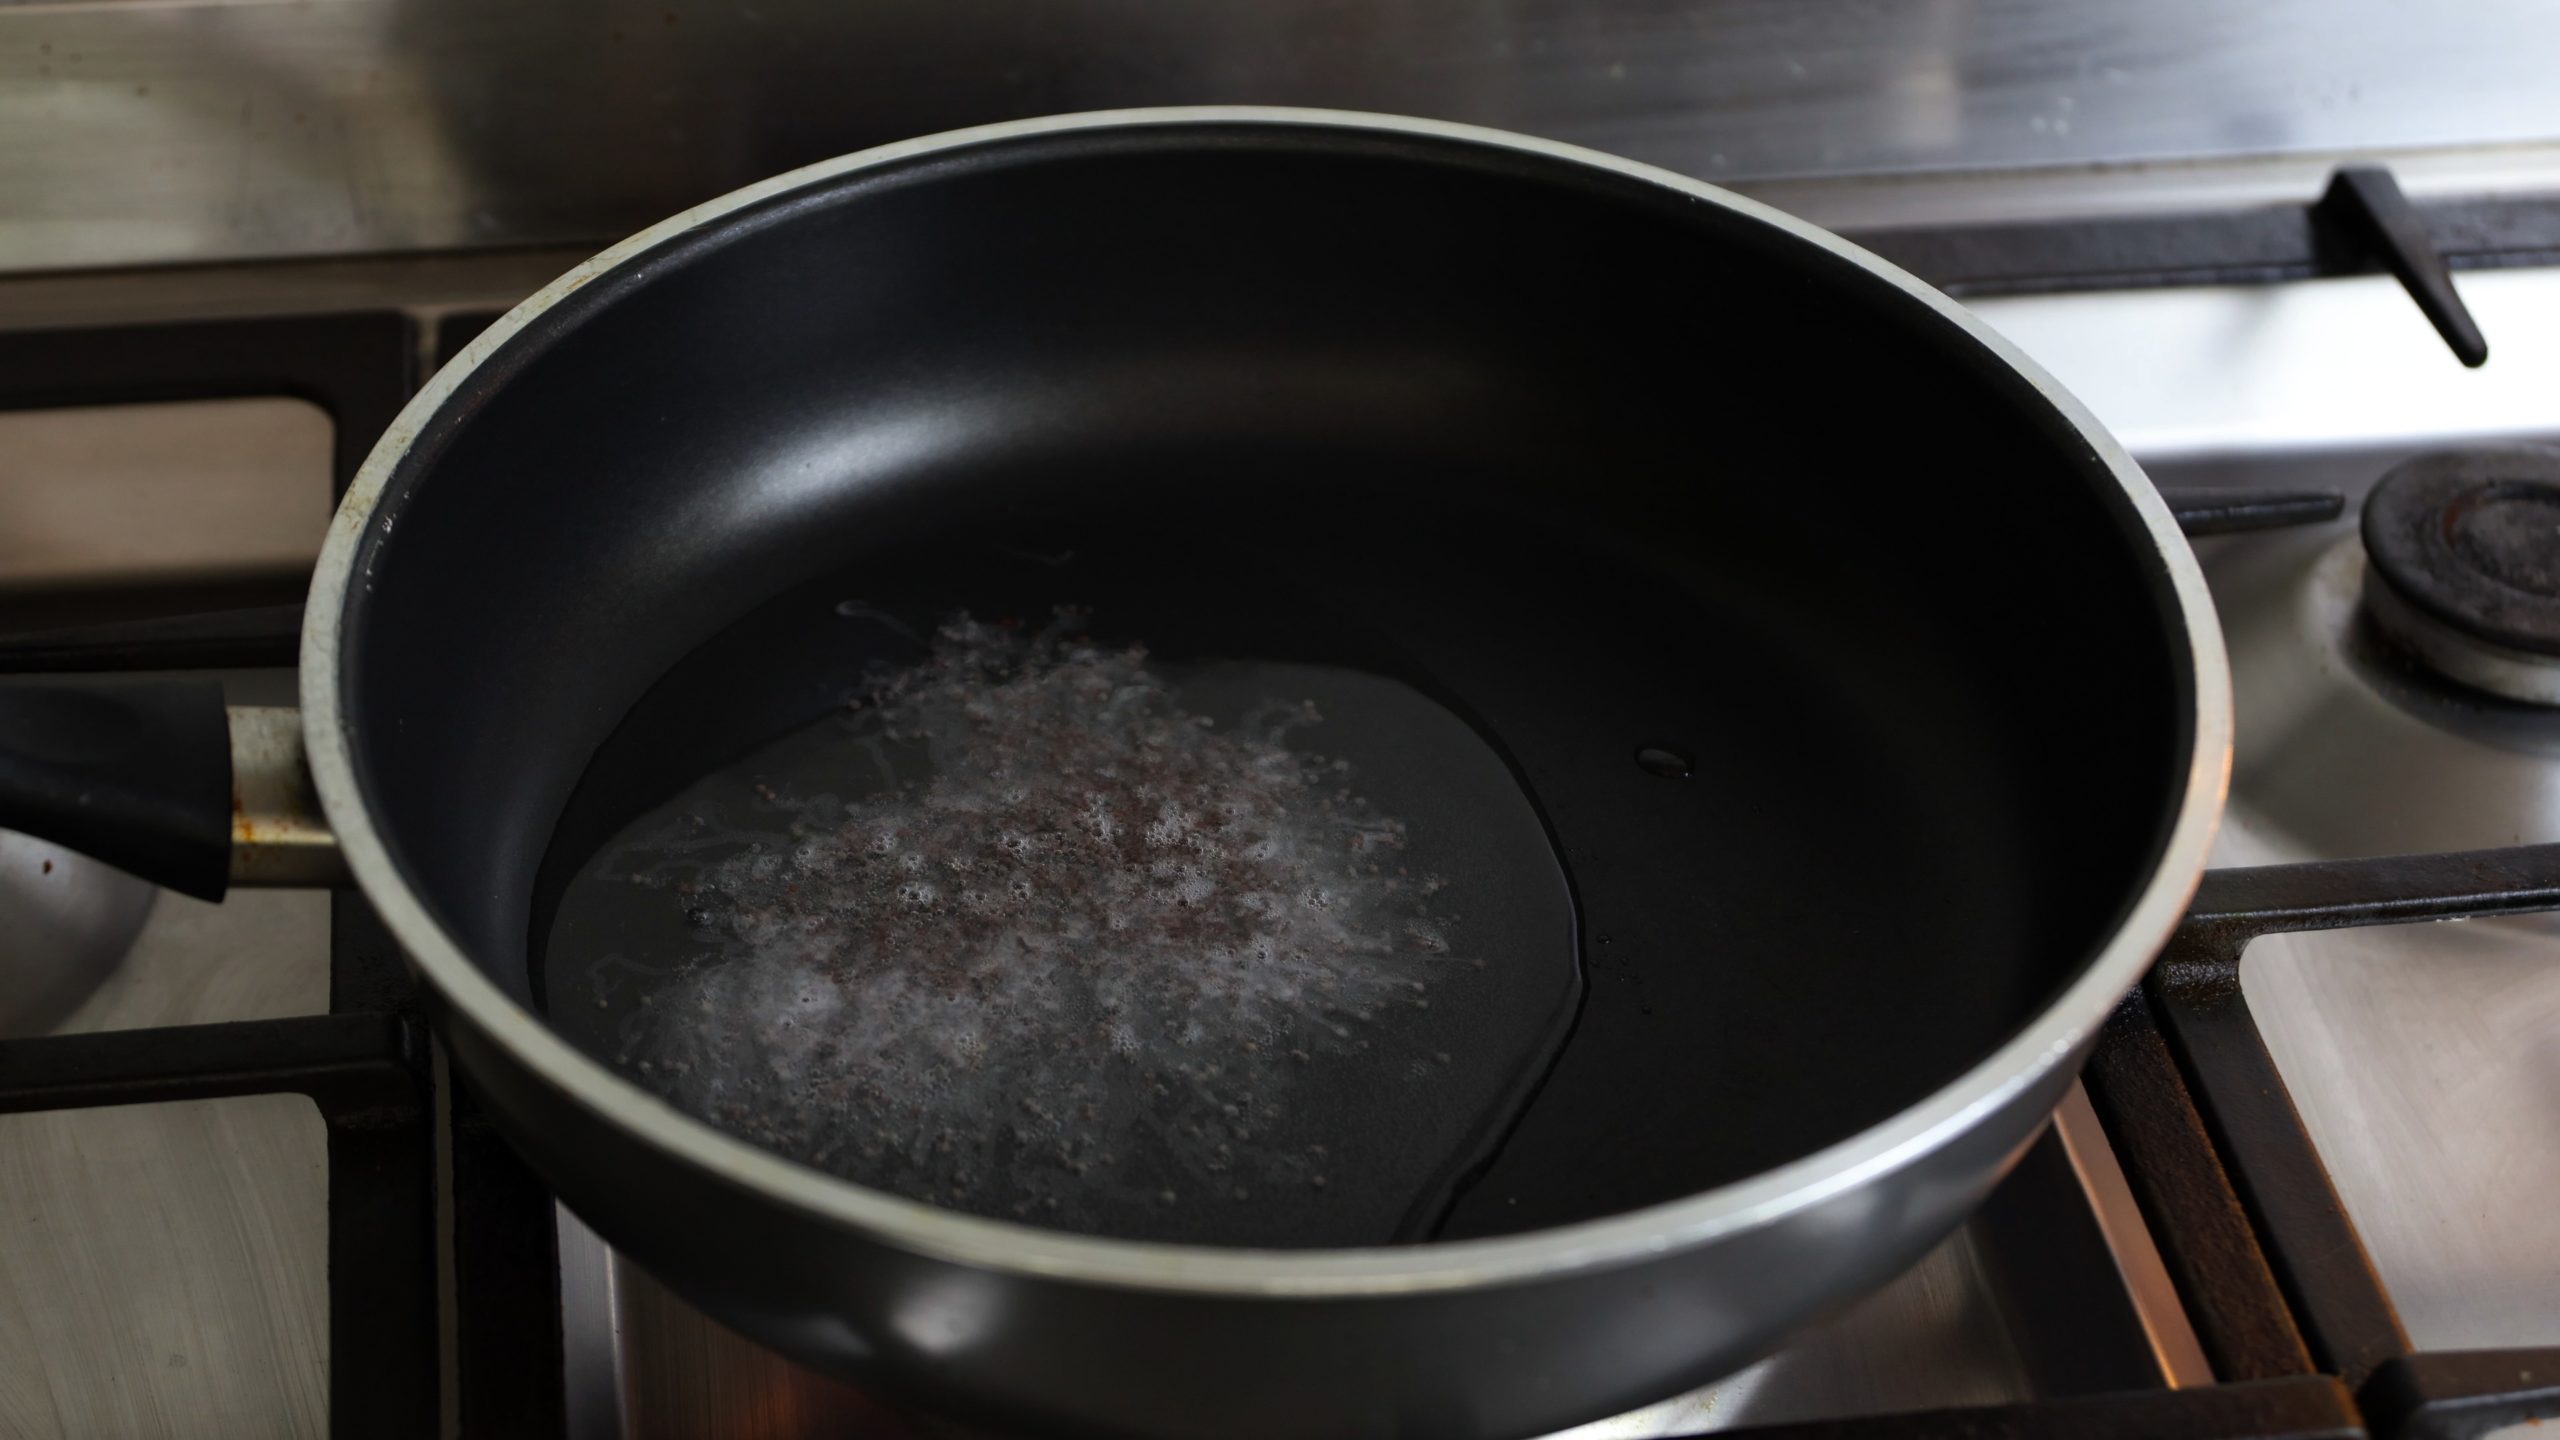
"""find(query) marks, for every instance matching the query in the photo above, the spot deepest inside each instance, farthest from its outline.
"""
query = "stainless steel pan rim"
(2046, 1042)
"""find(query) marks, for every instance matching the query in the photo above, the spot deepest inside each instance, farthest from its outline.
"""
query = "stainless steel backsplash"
(137, 131)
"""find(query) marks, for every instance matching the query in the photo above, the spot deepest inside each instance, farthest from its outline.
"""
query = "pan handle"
(280, 839)
(157, 778)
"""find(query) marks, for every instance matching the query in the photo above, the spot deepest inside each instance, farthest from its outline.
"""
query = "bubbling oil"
(1040, 928)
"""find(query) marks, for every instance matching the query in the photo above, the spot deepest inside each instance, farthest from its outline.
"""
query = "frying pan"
(1608, 462)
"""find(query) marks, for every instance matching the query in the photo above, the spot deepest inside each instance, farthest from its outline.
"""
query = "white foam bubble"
(1094, 907)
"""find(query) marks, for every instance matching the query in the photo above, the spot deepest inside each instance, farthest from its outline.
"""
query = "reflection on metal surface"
(163, 1271)
(2155, 1296)
(685, 1376)
(137, 494)
(254, 956)
(163, 1264)
(2152, 187)
(68, 921)
(2296, 374)
(2435, 766)
(1929, 1339)
(202, 128)
(2423, 1060)
(950, 1315)
(592, 1377)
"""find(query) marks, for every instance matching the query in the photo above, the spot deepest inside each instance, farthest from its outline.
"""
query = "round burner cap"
(2472, 538)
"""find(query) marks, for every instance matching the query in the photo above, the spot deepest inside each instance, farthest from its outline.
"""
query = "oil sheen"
(1045, 928)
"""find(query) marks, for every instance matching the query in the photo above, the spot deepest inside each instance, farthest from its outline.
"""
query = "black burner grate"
(364, 1064)
(2274, 1277)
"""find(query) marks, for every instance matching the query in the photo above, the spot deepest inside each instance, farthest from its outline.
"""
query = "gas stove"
(2303, 1191)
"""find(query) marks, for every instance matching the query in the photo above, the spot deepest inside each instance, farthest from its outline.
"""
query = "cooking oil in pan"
(1242, 953)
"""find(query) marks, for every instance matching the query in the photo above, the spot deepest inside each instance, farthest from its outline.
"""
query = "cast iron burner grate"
(365, 1063)
(2289, 1311)
(2274, 1278)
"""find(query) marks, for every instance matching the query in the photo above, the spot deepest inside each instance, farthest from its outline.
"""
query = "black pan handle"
(157, 778)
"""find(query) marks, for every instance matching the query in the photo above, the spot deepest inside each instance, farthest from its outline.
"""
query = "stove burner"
(2466, 567)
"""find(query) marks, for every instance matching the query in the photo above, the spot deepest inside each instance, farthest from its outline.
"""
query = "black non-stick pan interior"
(1599, 468)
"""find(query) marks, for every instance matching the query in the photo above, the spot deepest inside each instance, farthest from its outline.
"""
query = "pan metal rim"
(2049, 1040)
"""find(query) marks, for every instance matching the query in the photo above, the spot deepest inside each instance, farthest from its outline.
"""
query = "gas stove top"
(2304, 1194)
